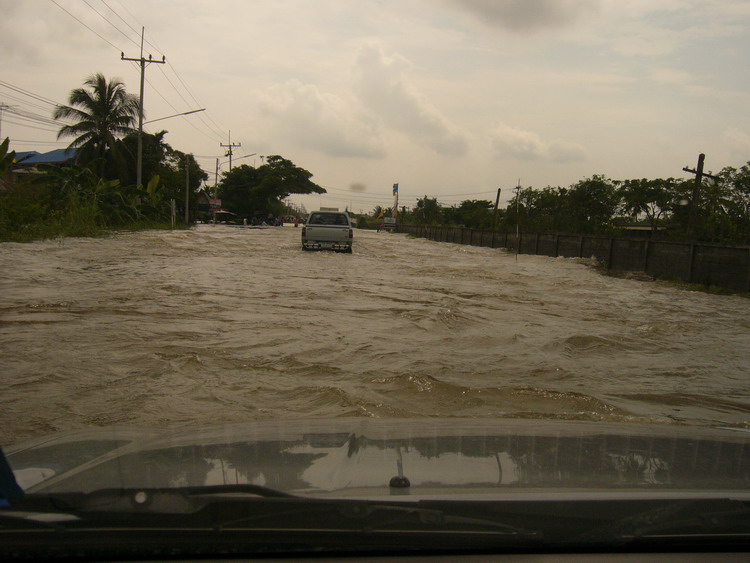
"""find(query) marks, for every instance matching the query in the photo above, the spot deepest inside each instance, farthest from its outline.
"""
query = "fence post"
(690, 263)
(609, 254)
(580, 247)
(645, 255)
(557, 245)
(536, 245)
(748, 270)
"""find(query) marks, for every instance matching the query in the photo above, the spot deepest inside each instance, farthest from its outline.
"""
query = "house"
(26, 162)
(30, 159)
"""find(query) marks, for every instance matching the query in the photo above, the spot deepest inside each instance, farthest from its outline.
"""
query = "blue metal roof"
(22, 156)
(57, 156)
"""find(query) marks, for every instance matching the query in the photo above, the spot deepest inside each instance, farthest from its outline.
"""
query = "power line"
(27, 93)
(26, 125)
(121, 18)
(135, 20)
(36, 142)
(216, 129)
(125, 35)
(86, 26)
(189, 122)
(31, 116)
(219, 130)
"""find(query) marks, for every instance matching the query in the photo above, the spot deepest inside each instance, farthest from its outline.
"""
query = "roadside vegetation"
(96, 191)
(598, 205)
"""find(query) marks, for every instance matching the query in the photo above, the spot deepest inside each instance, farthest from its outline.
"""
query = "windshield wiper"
(227, 506)
(679, 520)
(263, 520)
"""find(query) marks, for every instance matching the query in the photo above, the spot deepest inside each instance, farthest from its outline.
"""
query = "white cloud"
(320, 121)
(671, 76)
(512, 142)
(384, 87)
(738, 141)
(528, 16)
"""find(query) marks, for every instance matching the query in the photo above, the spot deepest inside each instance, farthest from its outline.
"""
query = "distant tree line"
(599, 205)
(98, 191)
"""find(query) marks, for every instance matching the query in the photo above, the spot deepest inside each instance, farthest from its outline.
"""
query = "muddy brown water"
(227, 324)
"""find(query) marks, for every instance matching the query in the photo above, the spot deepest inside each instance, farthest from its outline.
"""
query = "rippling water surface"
(225, 324)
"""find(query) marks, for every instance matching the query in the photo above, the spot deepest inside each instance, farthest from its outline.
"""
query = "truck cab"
(328, 230)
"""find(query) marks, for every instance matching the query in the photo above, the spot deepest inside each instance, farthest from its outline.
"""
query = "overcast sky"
(450, 98)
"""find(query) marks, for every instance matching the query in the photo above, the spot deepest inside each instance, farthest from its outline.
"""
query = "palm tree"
(103, 112)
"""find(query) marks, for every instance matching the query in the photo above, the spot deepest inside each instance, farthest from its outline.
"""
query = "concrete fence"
(707, 264)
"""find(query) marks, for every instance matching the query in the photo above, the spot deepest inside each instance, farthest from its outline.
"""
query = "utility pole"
(187, 190)
(216, 179)
(699, 174)
(2, 107)
(518, 197)
(518, 220)
(494, 217)
(142, 62)
(230, 146)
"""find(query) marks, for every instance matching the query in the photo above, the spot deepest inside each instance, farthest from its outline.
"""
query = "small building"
(26, 162)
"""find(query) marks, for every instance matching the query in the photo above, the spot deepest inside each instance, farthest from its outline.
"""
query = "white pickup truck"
(328, 230)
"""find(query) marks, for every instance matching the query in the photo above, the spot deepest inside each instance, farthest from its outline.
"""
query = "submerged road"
(226, 324)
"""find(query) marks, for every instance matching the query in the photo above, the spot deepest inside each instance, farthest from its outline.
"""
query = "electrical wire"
(27, 93)
(219, 130)
(113, 25)
(86, 26)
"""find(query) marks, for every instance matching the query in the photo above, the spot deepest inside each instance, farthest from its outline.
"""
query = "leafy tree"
(164, 170)
(591, 204)
(737, 183)
(258, 192)
(541, 210)
(521, 210)
(473, 214)
(154, 152)
(652, 198)
(102, 112)
(427, 211)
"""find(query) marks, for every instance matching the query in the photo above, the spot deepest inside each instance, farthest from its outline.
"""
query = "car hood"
(376, 458)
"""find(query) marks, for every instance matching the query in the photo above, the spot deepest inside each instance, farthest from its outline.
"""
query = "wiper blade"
(257, 490)
(371, 516)
(677, 519)
(255, 507)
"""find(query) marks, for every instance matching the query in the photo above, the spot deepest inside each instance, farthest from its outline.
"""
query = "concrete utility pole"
(494, 216)
(216, 179)
(230, 146)
(142, 62)
(699, 175)
(2, 107)
(187, 190)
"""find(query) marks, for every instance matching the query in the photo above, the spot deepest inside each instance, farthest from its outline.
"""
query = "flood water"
(227, 324)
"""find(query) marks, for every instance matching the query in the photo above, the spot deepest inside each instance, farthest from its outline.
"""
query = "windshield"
(536, 304)
(328, 219)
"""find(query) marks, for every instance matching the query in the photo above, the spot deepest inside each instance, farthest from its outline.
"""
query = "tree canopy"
(259, 192)
(103, 112)
(600, 205)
